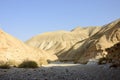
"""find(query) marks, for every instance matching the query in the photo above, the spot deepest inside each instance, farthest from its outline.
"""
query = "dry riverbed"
(62, 72)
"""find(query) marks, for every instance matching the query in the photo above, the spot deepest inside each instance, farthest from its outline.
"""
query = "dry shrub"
(28, 64)
(4, 65)
(102, 61)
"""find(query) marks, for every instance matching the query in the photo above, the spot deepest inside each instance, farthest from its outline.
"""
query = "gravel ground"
(62, 72)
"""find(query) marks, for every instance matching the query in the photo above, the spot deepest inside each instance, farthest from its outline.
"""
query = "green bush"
(28, 64)
(5, 66)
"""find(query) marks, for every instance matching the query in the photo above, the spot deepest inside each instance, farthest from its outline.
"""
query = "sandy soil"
(62, 72)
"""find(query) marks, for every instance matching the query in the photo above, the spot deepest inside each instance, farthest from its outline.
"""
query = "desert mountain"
(14, 51)
(80, 44)
(60, 42)
(95, 46)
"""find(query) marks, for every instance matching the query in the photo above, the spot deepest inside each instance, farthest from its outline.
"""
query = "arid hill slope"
(80, 44)
(94, 47)
(60, 42)
(14, 51)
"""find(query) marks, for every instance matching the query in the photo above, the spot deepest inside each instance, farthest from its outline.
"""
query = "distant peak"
(76, 29)
(116, 21)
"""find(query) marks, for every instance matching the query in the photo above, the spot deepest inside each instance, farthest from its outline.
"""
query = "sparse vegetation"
(102, 60)
(115, 65)
(113, 55)
(84, 62)
(28, 64)
(4, 65)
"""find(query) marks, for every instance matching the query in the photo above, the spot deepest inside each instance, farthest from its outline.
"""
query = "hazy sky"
(26, 18)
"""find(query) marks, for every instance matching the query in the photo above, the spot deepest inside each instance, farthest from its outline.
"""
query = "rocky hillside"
(80, 44)
(14, 52)
(61, 41)
(94, 47)
(113, 54)
(56, 41)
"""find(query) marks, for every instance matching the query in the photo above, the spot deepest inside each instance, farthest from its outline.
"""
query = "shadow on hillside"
(113, 55)
(76, 54)
(63, 56)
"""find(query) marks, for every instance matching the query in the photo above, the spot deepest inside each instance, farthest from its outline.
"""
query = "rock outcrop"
(113, 55)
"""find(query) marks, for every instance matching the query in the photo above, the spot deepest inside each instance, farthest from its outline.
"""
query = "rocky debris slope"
(14, 52)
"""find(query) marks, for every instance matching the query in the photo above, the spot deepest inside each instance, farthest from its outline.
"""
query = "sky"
(24, 19)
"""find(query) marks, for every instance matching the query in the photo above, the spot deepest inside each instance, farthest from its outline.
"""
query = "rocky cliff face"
(80, 44)
(14, 51)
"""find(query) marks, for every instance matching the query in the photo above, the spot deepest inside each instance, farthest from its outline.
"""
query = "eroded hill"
(14, 51)
(80, 44)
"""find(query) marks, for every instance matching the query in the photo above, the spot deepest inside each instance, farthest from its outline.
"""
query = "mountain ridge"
(80, 44)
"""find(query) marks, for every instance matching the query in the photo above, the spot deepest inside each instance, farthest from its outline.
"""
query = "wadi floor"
(62, 72)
